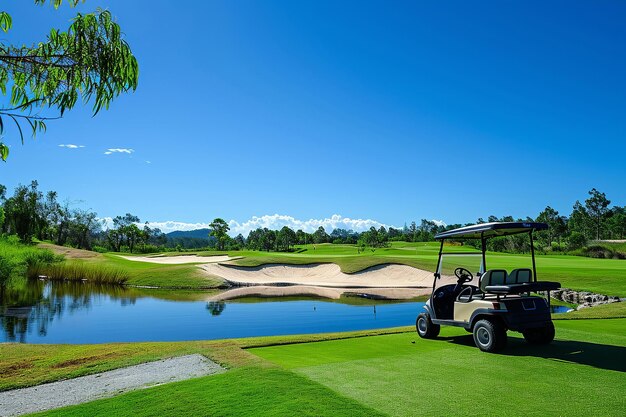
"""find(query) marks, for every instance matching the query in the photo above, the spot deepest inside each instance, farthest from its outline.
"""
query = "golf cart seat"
(491, 278)
(520, 276)
(518, 281)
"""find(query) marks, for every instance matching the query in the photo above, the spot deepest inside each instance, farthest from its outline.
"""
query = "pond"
(76, 312)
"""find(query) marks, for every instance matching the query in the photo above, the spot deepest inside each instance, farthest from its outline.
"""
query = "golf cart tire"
(489, 335)
(540, 336)
(426, 329)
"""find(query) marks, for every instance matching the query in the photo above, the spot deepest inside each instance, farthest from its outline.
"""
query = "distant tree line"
(29, 213)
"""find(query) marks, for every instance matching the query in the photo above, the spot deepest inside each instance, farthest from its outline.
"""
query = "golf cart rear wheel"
(425, 327)
(540, 336)
(489, 335)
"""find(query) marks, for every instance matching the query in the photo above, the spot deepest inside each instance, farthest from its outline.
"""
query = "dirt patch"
(82, 361)
(180, 259)
(70, 253)
(16, 368)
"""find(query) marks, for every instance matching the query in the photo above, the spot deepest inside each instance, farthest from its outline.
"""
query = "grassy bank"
(606, 276)
(16, 258)
(392, 374)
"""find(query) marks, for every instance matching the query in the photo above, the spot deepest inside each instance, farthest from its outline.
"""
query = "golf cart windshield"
(469, 261)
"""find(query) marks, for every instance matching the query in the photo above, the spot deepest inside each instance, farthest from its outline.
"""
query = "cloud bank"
(273, 222)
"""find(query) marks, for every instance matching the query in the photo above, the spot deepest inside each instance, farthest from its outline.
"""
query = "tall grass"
(16, 258)
(75, 271)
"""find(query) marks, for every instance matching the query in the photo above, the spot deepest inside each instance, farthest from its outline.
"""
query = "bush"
(576, 241)
(16, 257)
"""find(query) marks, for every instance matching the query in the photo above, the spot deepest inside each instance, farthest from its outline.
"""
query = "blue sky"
(371, 110)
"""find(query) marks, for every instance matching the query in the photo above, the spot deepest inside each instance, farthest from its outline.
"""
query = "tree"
(123, 231)
(412, 232)
(579, 220)
(286, 237)
(617, 222)
(21, 211)
(320, 235)
(597, 206)
(89, 60)
(550, 217)
(219, 229)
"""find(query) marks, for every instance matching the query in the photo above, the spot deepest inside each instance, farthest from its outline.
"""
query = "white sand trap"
(182, 259)
(325, 292)
(325, 275)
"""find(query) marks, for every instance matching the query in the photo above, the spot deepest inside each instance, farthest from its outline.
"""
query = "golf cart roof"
(489, 230)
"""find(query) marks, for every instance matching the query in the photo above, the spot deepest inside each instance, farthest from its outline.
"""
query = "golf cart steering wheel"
(463, 275)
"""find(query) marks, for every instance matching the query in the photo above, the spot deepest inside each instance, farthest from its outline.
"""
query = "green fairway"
(606, 276)
(239, 392)
(581, 373)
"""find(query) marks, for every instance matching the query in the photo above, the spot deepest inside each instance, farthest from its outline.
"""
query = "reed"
(74, 271)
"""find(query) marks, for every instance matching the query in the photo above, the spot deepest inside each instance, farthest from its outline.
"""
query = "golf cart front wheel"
(540, 336)
(489, 335)
(425, 327)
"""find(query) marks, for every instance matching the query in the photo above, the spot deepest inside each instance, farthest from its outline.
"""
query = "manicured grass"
(600, 275)
(240, 392)
(23, 365)
(613, 310)
(581, 373)
(606, 276)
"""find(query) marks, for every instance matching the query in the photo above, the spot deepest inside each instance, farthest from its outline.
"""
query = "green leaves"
(5, 21)
(57, 3)
(4, 151)
(88, 61)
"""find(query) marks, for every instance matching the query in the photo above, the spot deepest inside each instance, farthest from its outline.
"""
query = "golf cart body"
(500, 300)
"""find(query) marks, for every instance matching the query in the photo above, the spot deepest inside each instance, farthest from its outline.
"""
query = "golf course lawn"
(582, 373)
(607, 276)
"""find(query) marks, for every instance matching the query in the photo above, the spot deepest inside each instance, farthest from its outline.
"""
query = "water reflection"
(215, 307)
(33, 305)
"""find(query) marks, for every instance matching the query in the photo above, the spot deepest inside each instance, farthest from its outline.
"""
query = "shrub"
(576, 241)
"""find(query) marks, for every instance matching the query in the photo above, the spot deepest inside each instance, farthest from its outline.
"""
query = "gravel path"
(106, 384)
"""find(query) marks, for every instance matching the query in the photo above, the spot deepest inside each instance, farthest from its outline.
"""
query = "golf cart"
(499, 301)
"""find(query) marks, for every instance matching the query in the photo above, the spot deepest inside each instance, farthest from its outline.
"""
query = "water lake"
(54, 312)
(76, 312)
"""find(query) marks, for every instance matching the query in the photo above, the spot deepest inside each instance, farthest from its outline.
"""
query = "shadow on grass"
(608, 357)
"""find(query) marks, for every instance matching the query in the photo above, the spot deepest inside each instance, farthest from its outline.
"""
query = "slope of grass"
(16, 257)
(581, 373)
(613, 310)
(240, 392)
(606, 276)
(23, 365)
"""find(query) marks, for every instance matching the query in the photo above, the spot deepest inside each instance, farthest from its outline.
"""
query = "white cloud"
(71, 146)
(277, 221)
(119, 150)
(274, 222)
(148, 162)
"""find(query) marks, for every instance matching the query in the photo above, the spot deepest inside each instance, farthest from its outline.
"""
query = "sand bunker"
(324, 292)
(182, 259)
(324, 275)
